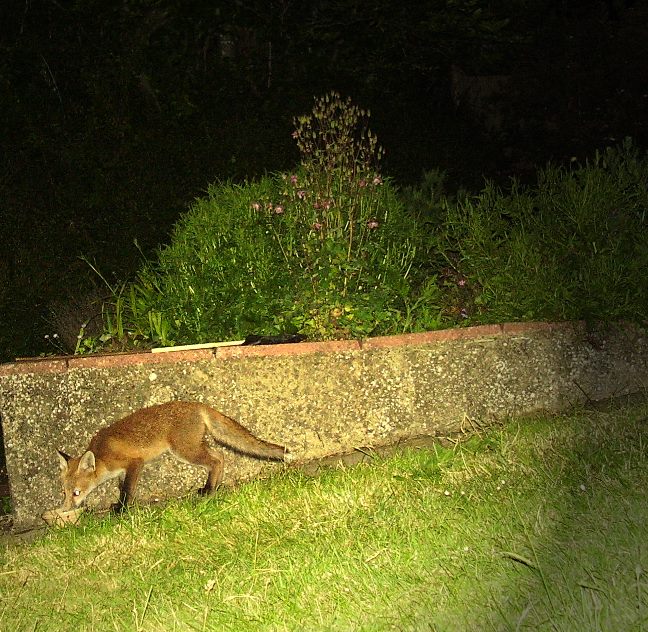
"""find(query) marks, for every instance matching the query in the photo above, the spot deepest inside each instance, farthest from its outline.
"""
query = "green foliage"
(574, 246)
(333, 251)
(126, 109)
(5, 505)
(327, 251)
(345, 228)
(427, 200)
(220, 277)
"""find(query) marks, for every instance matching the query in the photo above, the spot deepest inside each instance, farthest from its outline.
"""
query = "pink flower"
(317, 226)
(372, 224)
(293, 180)
(377, 180)
(295, 134)
(301, 194)
(461, 282)
(278, 209)
(362, 183)
(256, 206)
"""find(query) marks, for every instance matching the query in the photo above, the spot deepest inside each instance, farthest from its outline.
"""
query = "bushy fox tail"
(232, 434)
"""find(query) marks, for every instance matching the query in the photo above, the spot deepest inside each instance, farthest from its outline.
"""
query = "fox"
(178, 427)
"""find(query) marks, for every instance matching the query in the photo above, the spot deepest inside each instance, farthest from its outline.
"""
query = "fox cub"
(177, 427)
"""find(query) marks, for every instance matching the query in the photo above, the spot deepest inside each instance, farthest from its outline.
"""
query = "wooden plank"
(204, 345)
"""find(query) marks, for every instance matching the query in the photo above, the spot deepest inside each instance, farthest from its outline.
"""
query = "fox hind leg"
(212, 460)
(204, 456)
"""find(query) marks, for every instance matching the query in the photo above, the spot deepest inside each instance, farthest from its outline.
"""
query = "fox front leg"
(127, 490)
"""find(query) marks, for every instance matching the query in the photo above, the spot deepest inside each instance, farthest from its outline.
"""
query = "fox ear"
(87, 461)
(63, 460)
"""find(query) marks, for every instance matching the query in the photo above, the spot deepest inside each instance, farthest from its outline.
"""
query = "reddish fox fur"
(177, 427)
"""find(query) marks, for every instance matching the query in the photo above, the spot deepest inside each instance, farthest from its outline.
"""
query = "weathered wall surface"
(317, 399)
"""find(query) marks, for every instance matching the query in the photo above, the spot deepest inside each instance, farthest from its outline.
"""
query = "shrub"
(221, 275)
(574, 246)
(327, 250)
(332, 250)
(348, 232)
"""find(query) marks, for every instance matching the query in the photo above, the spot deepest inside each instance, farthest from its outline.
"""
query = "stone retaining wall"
(317, 399)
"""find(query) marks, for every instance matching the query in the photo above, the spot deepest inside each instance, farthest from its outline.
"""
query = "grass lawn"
(539, 524)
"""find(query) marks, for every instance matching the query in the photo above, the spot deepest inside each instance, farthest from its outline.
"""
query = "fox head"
(79, 477)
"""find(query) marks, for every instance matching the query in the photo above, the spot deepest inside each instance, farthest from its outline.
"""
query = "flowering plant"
(337, 225)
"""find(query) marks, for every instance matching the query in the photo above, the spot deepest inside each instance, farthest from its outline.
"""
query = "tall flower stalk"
(334, 197)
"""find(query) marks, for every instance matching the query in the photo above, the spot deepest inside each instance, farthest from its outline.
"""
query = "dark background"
(114, 115)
